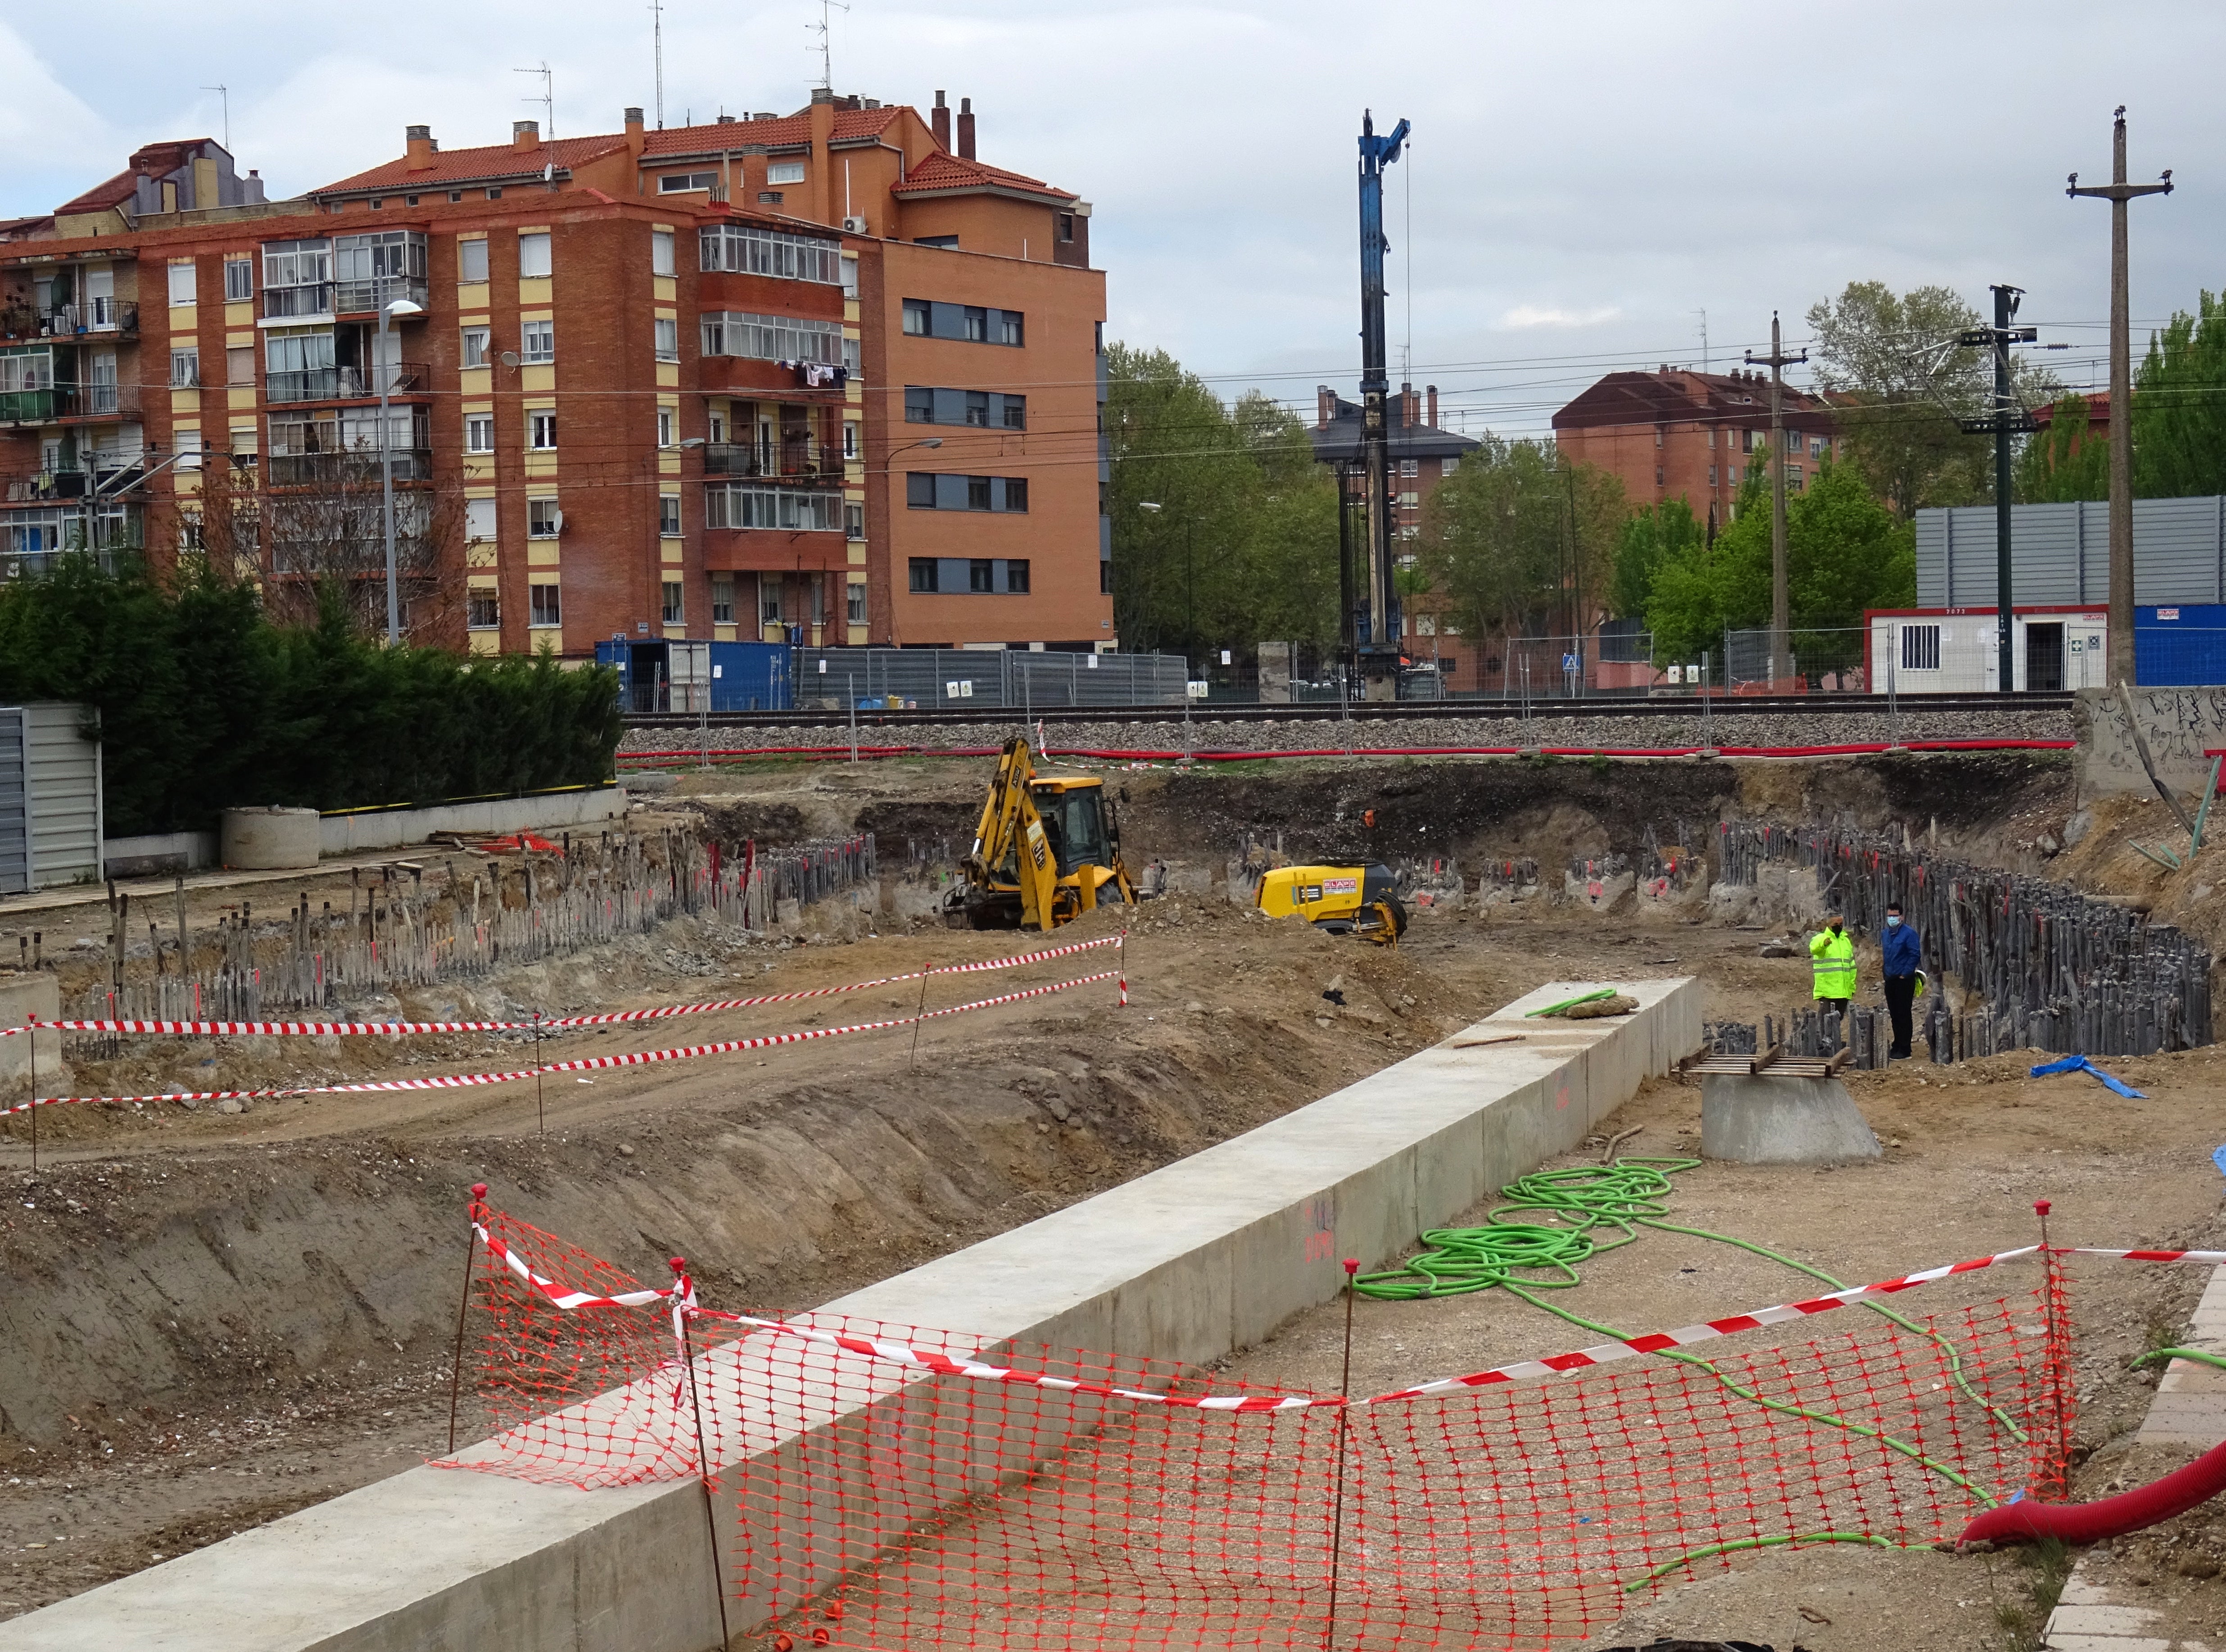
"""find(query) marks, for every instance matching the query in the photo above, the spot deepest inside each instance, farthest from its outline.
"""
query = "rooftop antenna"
(825, 29)
(657, 43)
(1703, 314)
(547, 99)
(226, 94)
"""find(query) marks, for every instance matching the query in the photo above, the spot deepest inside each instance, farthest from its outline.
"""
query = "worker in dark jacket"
(1904, 952)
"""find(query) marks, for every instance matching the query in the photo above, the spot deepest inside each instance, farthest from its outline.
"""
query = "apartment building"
(824, 378)
(1677, 433)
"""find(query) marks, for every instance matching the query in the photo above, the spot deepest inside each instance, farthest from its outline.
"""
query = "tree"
(1887, 362)
(1521, 541)
(1654, 535)
(2179, 410)
(1241, 546)
(2067, 459)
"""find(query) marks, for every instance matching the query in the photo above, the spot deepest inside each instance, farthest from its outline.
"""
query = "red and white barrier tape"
(554, 1024)
(583, 1064)
(569, 1301)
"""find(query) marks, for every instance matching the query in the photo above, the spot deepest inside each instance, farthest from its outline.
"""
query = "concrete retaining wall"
(1206, 1256)
(2179, 725)
(389, 829)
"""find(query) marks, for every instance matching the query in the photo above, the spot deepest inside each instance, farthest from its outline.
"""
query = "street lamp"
(399, 307)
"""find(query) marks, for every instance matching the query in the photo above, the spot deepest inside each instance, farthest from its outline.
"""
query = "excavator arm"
(1009, 842)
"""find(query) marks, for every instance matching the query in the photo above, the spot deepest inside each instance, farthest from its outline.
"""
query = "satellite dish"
(509, 358)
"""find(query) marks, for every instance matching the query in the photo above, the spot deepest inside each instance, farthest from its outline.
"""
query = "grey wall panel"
(2060, 554)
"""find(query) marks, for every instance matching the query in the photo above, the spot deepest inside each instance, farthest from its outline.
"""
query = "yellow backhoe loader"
(1047, 850)
(1359, 901)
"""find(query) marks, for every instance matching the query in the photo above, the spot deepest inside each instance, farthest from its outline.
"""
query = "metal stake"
(1336, 1516)
(471, 1256)
(685, 1294)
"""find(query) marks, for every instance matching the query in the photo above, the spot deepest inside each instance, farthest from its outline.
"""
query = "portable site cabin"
(1954, 650)
(50, 796)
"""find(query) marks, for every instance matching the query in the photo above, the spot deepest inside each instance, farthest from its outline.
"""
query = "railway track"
(1424, 710)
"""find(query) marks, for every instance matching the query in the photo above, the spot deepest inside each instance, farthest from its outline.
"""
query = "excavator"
(1361, 900)
(1047, 850)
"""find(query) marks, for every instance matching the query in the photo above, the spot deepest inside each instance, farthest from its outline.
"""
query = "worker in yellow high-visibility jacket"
(1832, 954)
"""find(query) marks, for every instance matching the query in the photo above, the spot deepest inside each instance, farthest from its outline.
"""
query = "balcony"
(78, 479)
(374, 293)
(91, 318)
(62, 403)
(346, 383)
(355, 467)
(794, 462)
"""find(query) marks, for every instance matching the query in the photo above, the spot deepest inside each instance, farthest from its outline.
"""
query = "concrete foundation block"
(1601, 892)
(1764, 1120)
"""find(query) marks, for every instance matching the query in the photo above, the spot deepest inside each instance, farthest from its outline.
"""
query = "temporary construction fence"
(887, 1486)
(2048, 967)
(924, 678)
(403, 928)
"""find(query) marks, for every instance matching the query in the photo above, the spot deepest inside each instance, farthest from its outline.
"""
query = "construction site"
(1015, 1303)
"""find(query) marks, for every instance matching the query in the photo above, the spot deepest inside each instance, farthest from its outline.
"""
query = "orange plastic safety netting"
(887, 1487)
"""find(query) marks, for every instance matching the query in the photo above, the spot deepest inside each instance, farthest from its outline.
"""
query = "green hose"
(2197, 1355)
(1687, 1559)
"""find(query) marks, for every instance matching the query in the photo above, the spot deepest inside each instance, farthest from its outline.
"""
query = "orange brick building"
(1677, 433)
(823, 376)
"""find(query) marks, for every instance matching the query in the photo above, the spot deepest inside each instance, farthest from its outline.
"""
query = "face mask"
(1892, 922)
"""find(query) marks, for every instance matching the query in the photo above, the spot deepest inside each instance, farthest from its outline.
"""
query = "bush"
(204, 704)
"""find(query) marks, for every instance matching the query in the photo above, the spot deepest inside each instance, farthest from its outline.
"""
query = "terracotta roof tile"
(709, 139)
(465, 166)
(115, 192)
(940, 171)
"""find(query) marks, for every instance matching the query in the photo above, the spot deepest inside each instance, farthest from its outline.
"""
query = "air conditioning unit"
(854, 226)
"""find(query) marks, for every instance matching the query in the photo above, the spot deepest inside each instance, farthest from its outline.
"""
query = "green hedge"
(205, 704)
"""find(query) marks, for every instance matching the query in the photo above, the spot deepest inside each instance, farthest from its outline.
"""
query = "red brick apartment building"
(1677, 433)
(824, 376)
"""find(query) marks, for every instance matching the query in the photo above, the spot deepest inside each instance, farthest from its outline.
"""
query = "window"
(664, 427)
(1816, 447)
(981, 574)
(1712, 476)
(977, 492)
(784, 172)
(984, 409)
(1712, 435)
(771, 338)
(542, 520)
(456, 195)
(850, 275)
(932, 491)
(239, 365)
(1920, 648)
(1016, 493)
(717, 429)
(916, 317)
(537, 340)
(733, 505)
(668, 339)
(484, 611)
(977, 324)
(855, 612)
(920, 405)
(541, 429)
(189, 450)
(668, 516)
(472, 260)
(1657, 435)
(547, 608)
(1104, 579)
(533, 258)
(682, 183)
(1016, 412)
(940, 243)
(479, 433)
(1411, 468)
(1008, 328)
(660, 252)
(184, 282)
(853, 522)
(475, 343)
(1016, 575)
(495, 193)
(1410, 501)
(722, 599)
(479, 520)
(185, 369)
(849, 439)
(769, 599)
(923, 573)
(771, 197)
(977, 409)
(1065, 226)
(1658, 476)
(1447, 466)
(919, 489)
(672, 603)
(741, 250)
(239, 279)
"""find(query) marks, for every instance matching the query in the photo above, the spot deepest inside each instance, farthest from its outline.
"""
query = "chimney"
(939, 122)
(966, 128)
(1406, 407)
(726, 120)
(1325, 406)
(524, 135)
(637, 138)
(822, 94)
(1432, 420)
(419, 142)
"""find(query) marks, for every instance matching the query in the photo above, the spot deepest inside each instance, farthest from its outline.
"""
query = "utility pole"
(1781, 604)
(1378, 622)
(2122, 397)
(2008, 419)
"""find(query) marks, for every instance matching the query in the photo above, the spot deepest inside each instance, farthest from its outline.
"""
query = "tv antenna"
(825, 29)
(657, 45)
(225, 93)
(547, 99)
(1703, 314)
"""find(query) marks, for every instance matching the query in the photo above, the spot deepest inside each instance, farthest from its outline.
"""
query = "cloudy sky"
(1585, 181)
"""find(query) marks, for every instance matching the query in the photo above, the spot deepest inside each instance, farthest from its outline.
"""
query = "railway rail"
(1372, 711)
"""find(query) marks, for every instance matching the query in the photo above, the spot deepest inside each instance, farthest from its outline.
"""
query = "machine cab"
(1078, 819)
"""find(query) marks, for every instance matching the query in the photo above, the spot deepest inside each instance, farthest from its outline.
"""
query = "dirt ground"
(213, 1320)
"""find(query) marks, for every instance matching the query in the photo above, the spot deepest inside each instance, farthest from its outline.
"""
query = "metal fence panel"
(2060, 553)
(1015, 679)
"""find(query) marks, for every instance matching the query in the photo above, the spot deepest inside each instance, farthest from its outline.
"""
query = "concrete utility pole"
(2122, 397)
(2008, 419)
(1781, 603)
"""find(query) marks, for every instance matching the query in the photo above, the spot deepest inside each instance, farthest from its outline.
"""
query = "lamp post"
(887, 471)
(399, 307)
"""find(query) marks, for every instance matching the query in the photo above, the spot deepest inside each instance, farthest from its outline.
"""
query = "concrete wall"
(2180, 724)
(1203, 1257)
(159, 851)
(388, 829)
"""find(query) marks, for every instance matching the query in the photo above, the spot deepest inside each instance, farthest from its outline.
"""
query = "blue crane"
(1371, 619)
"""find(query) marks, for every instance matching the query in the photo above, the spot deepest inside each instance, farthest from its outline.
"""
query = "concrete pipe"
(260, 840)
